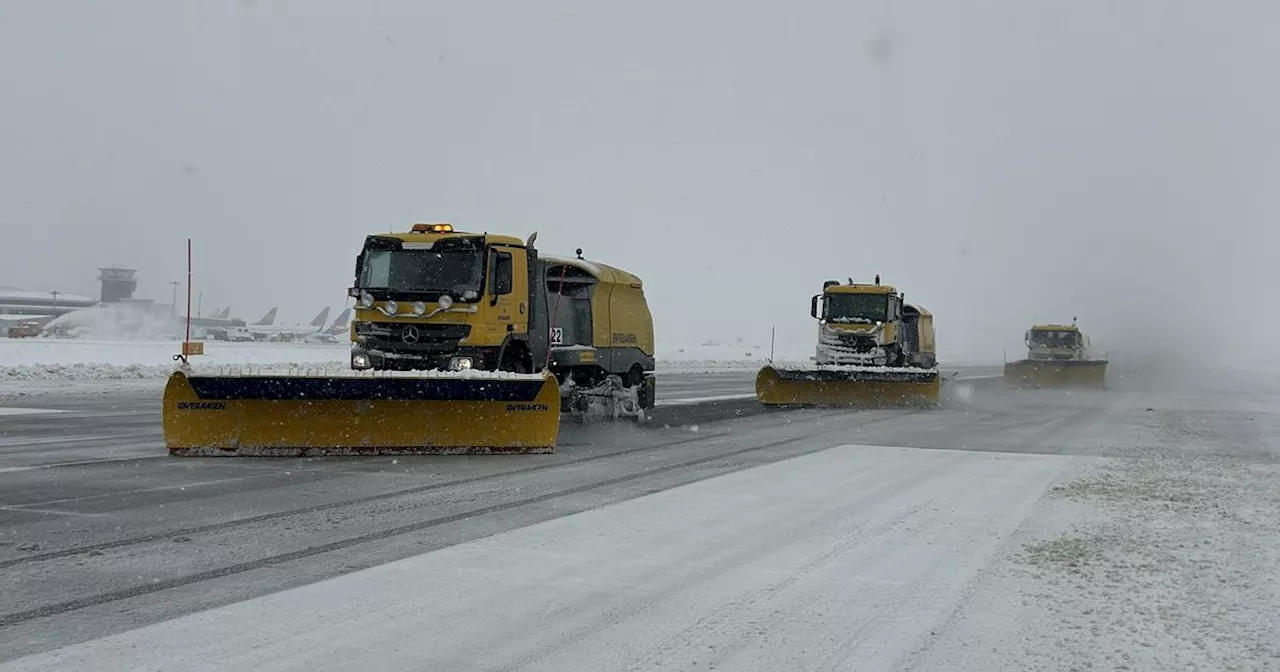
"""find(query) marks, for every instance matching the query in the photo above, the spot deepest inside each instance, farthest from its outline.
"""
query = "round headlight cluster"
(419, 308)
(391, 307)
(366, 300)
(446, 302)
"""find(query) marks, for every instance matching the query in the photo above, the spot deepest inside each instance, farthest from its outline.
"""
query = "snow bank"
(724, 350)
(30, 351)
(49, 359)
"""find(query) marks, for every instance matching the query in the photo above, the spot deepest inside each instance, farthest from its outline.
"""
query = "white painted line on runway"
(703, 400)
(48, 511)
(17, 410)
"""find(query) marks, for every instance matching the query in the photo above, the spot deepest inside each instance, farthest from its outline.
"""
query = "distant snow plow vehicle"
(1057, 356)
(450, 328)
(873, 350)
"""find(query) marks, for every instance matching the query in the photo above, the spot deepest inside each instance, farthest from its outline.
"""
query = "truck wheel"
(516, 360)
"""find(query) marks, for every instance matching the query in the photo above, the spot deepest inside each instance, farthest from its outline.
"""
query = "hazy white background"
(1003, 162)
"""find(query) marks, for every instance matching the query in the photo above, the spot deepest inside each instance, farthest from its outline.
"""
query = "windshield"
(450, 271)
(856, 307)
(1053, 339)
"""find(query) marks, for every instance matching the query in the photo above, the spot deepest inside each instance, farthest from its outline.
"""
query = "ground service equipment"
(462, 342)
(873, 350)
(438, 299)
(1057, 356)
(349, 413)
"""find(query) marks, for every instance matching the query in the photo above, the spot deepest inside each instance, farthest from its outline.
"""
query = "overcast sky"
(1003, 162)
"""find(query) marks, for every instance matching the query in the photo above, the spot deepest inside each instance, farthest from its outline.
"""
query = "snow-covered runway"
(850, 557)
(1135, 528)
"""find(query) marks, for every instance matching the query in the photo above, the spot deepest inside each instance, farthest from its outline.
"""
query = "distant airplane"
(267, 320)
(339, 327)
(264, 330)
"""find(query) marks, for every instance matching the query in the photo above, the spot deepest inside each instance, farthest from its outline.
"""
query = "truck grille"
(857, 343)
(412, 336)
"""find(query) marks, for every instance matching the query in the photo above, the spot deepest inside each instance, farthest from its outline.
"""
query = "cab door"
(508, 291)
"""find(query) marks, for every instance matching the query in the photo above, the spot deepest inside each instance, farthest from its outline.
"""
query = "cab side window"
(500, 273)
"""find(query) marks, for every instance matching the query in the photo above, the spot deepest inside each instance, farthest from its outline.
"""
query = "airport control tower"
(118, 284)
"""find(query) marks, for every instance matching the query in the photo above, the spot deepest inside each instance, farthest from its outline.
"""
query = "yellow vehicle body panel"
(347, 415)
(621, 315)
(847, 387)
(1066, 373)
(630, 324)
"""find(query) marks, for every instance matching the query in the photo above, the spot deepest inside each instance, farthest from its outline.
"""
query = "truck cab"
(436, 298)
(870, 324)
(1049, 342)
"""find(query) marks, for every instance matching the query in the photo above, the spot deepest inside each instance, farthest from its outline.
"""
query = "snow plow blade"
(862, 387)
(410, 414)
(1033, 374)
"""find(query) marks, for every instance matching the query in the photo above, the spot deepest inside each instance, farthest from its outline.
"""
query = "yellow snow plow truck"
(873, 350)
(1057, 356)
(462, 342)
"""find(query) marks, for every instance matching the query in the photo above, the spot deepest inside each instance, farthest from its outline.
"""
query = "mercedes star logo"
(410, 334)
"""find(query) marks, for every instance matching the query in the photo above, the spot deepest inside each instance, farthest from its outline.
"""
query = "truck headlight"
(419, 308)
(366, 300)
(360, 361)
(446, 302)
(391, 307)
(460, 364)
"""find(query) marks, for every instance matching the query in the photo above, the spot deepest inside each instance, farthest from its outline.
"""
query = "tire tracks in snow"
(65, 606)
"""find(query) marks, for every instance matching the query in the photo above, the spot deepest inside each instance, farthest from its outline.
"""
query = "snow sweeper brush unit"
(1058, 356)
(351, 413)
(873, 350)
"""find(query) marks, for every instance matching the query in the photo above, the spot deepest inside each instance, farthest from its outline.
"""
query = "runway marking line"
(10, 411)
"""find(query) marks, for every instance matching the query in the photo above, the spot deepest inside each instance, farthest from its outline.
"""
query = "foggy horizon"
(1002, 163)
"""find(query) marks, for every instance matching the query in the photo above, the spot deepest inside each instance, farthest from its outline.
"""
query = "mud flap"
(859, 387)
(360, 414)
(1033, 374)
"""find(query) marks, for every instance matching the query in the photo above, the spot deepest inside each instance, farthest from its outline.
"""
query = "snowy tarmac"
(1129, 529)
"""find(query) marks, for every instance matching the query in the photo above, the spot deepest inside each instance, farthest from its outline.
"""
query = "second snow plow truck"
(1058, 355)
(462, 342)
(873, 350)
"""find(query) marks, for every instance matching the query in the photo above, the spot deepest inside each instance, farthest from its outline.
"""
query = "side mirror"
(359, 265)
(1026, 337)
(353, 292)
(813, 306)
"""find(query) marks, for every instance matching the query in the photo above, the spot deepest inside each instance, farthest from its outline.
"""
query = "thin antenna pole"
(773, 334)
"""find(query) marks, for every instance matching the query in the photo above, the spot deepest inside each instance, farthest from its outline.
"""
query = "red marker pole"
(188, 339)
